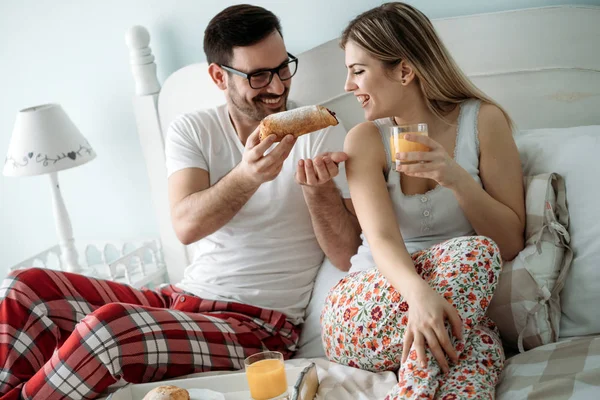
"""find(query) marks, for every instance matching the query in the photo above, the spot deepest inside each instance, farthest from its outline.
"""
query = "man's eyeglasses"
(263, 78)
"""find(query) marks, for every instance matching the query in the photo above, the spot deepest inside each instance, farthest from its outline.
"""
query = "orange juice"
(266, 379)
(400, 145)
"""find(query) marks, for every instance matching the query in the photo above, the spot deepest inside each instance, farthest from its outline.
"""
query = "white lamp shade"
(45, 140)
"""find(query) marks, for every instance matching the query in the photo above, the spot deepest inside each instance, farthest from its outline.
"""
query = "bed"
(543, 66)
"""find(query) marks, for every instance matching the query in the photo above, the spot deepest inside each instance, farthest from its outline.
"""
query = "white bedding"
(338, 382)
(569, 369)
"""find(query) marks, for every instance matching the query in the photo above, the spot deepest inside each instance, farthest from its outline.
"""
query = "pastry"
(169, 392)
(297, 122)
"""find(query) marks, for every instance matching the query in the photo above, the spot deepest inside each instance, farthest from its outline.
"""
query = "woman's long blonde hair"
(395, 32)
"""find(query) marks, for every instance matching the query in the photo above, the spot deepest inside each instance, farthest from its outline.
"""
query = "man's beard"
(255, 110)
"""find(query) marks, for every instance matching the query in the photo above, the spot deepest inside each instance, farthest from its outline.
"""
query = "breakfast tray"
(303, 384)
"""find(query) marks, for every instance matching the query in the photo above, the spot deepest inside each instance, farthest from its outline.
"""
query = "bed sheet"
(569, 369)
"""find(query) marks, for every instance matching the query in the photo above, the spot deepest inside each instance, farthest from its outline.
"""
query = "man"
(257, 233)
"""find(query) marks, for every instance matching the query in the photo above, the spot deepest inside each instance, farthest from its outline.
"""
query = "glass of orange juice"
(399, 145)
(266, 376)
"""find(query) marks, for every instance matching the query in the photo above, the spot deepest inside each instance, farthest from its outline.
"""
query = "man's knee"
(23, 281)
(29, 275)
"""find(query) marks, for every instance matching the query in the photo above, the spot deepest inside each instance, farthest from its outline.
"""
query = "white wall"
(73, 53)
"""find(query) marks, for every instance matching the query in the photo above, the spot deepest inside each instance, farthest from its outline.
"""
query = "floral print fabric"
(364, 319)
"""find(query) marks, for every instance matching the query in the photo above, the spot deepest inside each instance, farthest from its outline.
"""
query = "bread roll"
(167, 393)
(297, 122)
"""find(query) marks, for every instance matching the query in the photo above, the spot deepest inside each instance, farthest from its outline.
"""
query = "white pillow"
(573, 153)
(526, 303)
(310, 344)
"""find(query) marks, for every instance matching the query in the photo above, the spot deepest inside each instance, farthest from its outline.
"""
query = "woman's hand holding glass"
(435, 164)
(427, 313)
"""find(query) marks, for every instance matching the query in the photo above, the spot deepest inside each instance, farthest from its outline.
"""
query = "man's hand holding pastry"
(285, 127)
(258, 167)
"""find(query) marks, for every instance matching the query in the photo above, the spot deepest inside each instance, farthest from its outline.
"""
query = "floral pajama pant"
(364, 320)
(66, 336)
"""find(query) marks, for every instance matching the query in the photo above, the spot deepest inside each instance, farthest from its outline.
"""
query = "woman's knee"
(466, 262)
(490, 246)
(474, 250)
(473, 243)
(487, 253)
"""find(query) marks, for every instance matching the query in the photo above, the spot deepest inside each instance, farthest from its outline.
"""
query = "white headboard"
(541, 64)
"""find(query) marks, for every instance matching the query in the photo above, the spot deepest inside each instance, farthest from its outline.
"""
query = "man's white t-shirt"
(267, 255)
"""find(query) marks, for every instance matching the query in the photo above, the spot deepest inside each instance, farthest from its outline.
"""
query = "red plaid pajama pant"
(66, 336)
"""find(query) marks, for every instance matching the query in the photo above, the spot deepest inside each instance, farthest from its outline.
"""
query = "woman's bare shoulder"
(492, 119)
(363, 133)
(363, 143)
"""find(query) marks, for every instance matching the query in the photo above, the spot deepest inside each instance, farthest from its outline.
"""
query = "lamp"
(45, 141)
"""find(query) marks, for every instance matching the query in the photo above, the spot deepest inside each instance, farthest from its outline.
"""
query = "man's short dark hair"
(237, 26)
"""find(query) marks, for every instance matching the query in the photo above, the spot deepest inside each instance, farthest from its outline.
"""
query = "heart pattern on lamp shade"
(45, 160)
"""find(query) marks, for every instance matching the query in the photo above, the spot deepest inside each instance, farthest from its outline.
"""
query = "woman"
(435, 231)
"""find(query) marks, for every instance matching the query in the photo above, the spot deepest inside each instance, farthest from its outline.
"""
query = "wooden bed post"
(145, 103)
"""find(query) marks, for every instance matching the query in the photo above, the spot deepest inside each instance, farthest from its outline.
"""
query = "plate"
(205, 394)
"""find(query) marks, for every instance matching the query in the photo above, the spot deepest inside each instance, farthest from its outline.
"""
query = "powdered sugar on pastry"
(287, 117)
(297, 122)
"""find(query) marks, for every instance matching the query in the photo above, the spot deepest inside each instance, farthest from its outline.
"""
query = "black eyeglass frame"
(272, 72)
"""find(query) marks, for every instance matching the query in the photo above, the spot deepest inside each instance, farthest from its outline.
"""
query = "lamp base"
(68, 253)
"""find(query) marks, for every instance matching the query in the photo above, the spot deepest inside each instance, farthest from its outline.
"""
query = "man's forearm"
(337, 230)
(202, 213)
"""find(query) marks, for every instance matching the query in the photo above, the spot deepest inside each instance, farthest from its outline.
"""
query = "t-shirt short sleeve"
(332, 139)
(182, 146)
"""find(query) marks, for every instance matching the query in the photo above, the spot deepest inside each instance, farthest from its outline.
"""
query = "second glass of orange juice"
(399, 145)
(266, 376)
